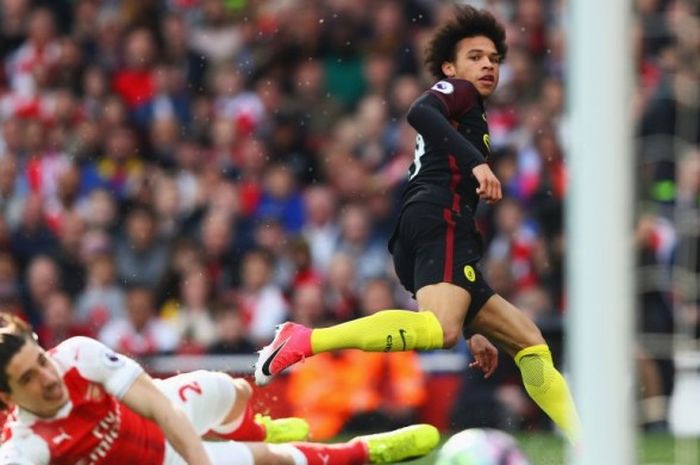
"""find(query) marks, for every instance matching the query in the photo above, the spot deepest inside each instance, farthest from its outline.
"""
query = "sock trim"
(539, 349)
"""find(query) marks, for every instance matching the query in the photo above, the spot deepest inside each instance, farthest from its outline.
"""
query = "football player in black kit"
(436, 246)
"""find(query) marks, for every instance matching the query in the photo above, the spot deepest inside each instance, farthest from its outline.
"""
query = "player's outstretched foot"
(279, 430)
(291, 344)
(401, 444)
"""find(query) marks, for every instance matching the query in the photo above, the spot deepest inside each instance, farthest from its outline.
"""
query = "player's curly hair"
(467, 22)
(14, 333)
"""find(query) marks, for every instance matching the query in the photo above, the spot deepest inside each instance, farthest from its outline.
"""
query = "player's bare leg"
(507, 326)
(512, 330)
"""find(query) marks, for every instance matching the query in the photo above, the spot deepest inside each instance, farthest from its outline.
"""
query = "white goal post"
(599, 225)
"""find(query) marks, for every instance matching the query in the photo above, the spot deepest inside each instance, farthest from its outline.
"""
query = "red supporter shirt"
(94, 427)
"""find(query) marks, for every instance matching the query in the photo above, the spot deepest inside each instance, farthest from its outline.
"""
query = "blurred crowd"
(180, 176)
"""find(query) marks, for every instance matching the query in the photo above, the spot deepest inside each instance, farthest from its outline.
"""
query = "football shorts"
(432, 244)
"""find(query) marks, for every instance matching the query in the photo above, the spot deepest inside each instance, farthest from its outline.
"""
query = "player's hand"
(489, 186)
(485, 354)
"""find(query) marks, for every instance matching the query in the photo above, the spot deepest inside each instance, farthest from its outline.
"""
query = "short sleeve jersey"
(437, 175)
(94, 427)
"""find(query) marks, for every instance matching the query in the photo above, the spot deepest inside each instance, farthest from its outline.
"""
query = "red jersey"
(94, 427)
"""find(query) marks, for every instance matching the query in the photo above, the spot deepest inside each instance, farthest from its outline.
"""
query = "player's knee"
(451, 336)
(243, 389)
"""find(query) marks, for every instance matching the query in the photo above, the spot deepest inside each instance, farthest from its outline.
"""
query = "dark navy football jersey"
(448, 149)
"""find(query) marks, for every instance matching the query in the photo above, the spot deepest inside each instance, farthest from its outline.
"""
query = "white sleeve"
(27, 451)
(97, 362)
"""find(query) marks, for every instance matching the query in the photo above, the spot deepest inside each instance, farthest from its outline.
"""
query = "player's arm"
(125, 379)
(429, 117)
(144, 398)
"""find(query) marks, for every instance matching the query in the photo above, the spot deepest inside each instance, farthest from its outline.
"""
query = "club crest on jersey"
(111, 359)
(94, 393)
(443, 87)
(469, 273)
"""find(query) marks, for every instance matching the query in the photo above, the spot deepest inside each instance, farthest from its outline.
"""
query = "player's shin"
(547, 387)
(384, 331)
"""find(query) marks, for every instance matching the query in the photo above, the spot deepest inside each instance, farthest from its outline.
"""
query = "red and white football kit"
(96, 428)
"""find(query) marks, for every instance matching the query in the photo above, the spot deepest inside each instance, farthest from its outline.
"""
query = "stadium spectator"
(32, 64)
(280, 199)
(260, 301)
(190, 314)
(9, 278)
(357, 240)
(141, 332)
(59, 321)
(341, 289)
(11, 197)
(102, 299)
(12, 26)
(69, 256)
(100, 211)
(231, 334)
(218, 253)
(180, 54)
(135, 80)
(42, 280)
(514, 243)
(141, 254)
(32, 236)
(121, 166)
(321, 229)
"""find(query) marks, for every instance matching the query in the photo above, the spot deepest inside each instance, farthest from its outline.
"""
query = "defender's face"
(477, 61)
(34, 381)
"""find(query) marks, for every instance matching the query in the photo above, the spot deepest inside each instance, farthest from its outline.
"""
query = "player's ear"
(6, 401)
(448, 68)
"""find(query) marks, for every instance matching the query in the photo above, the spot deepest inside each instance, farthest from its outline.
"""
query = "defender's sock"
(244, 428)
(547, 387)
(349, 453)
(384, 331)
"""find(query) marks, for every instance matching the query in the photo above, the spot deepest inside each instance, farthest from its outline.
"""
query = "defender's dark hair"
(468, 22)
(14, 333)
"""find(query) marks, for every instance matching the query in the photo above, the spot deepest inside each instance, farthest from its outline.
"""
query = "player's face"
(34, 381)
(477, 61)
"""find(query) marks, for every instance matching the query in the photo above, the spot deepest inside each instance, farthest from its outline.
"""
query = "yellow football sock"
(548, 388)
(384, 331)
